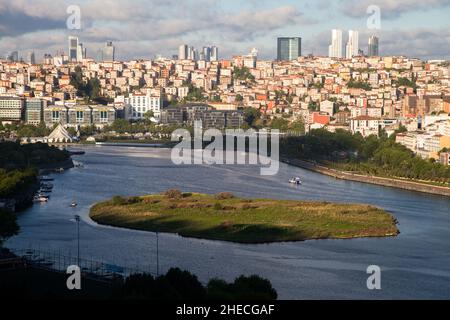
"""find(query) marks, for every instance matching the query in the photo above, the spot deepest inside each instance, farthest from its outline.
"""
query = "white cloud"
(390, 8)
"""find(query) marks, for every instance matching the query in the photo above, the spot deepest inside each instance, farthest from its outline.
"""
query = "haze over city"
(146, 28)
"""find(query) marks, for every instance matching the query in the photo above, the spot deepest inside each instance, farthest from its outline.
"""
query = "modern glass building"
(109, 52)
(73, 48)
(289, 48)
(34, 111)
(373, 47)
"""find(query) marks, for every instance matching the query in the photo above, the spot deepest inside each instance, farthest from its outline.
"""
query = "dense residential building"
(11, 109)
(142, 103)
(289, 49)
(365, 94)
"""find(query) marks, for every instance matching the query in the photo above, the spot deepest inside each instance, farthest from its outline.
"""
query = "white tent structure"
(60, 134)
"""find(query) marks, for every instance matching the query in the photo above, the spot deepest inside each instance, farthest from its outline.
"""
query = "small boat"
(73, 204)
(59, 170)
(45, 178)
(40, 199)
(295, 180)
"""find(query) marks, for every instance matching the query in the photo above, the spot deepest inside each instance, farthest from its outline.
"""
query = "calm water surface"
(416, 264)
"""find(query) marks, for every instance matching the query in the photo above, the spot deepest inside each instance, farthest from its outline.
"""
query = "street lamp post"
(157, 254)
(77, 219)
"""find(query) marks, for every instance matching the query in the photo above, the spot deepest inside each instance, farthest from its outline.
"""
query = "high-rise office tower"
(214, 53)
(335, 48)
(373, 46)
(206, 54)
(31, 59)
(352, 47)
(73, 48)
(289, 48)
(191, 53)
(183, 52)
(81, 53)
(13, 56)
(109, 52)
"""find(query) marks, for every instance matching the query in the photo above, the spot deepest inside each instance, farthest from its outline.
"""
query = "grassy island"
(228, 218)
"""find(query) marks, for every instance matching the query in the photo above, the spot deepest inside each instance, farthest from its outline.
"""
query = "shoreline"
(381, 181)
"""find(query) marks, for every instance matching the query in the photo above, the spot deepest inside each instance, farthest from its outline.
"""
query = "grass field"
(244, 220)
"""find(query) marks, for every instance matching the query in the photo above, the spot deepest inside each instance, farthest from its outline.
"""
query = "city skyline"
(234, 27)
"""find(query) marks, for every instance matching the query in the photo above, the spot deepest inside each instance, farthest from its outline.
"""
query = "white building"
(352, 46)
(142, 103)
(183, 52)
(335, 49)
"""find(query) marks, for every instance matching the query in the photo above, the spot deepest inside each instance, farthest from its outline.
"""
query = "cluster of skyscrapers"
(335, 50)
(186, 52)
(77, 53)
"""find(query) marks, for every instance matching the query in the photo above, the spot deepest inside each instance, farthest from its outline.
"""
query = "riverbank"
(225, 217)
(387, 182)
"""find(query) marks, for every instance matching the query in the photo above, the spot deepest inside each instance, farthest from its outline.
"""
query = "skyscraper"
(214, 53)
(352, 47)
(109, 52)
(31, 59)
(13, 56)
(289, 48)
(207, 53)
(335, 49)
(73, 48)
(183, 52)
(373, 46)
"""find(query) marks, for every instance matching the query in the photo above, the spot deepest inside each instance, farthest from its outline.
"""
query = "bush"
(133, 200)
(217, 206)
(243, 288)
(224, 196)
(8, 225)
(173, 194)
(118, 201)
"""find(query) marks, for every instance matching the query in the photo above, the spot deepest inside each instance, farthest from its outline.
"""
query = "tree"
(239, 98)
(8, 225)
(251, 115)
(313, 106)
(280, 124)
(148, 115)
(297, 125)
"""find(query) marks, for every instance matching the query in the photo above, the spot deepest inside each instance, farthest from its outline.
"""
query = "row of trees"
(182, 285)
(13, 182)
(13, 155)
(371, 155)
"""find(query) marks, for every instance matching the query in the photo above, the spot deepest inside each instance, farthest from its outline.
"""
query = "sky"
(141, 29)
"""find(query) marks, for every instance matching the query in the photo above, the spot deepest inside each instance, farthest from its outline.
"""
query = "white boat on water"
(40, 199)
(295, 180)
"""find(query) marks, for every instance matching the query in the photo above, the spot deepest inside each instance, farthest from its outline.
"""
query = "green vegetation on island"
(228, 218)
